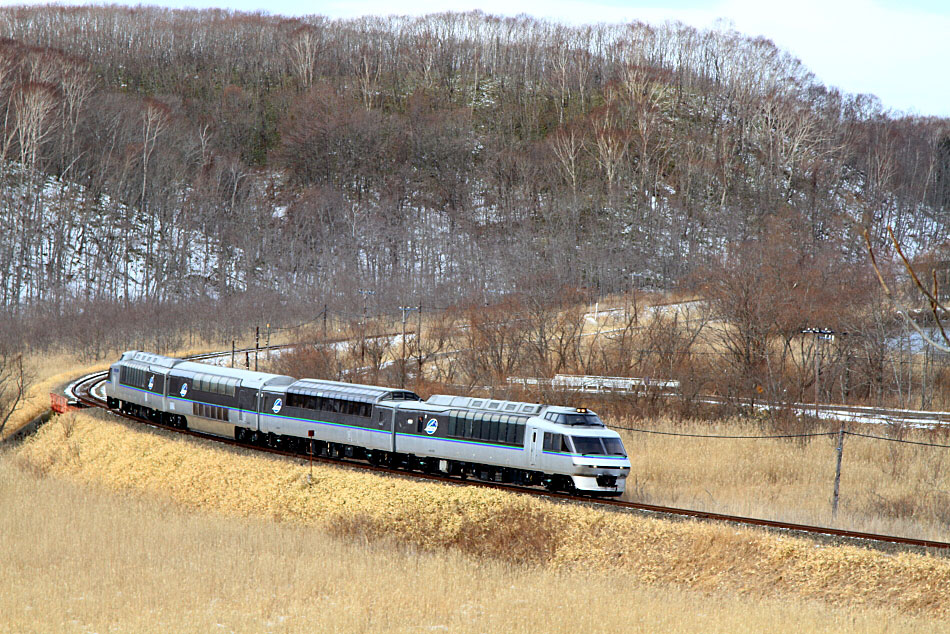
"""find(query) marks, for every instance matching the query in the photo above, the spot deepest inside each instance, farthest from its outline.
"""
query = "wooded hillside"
(183, 155)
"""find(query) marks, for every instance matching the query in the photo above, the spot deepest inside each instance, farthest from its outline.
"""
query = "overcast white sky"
(898, 50)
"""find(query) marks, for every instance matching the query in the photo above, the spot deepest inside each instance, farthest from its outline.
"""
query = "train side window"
(565, 448)
(476, 427)
(519, 438)
(486, 428)
(453, 421)
(493, 433)
(511, 432)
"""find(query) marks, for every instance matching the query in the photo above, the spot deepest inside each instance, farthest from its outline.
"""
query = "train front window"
(587, 446)
(614, 447)
(594, 446)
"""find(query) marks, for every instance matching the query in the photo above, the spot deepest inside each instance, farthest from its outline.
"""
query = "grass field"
(78, 559)
(118, 528)
(465, 559)
(886, 487)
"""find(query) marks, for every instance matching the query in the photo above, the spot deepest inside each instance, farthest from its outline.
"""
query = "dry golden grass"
(886, 487)
(743, 564)
(48, 372)
(51, 371)
(75, 559)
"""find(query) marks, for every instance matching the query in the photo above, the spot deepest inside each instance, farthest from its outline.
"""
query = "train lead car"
(561, 448)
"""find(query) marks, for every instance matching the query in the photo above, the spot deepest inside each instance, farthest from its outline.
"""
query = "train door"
(247, 403)
(383, 421)
(534, 440)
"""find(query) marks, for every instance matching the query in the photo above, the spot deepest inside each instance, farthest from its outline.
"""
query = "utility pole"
(419, 342)
(405, 311)
(840, 452)
(257, 344)
(364, 292)
(819, 334)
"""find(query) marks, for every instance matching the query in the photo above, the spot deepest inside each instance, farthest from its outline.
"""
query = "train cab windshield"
(594, 446)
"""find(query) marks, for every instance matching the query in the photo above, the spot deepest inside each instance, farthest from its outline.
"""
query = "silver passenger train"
(561, 448)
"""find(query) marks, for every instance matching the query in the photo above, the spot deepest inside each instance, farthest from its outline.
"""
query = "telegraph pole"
(840, 452)
(419, 341)
(405, 312)
(364, 292)
(820, 334)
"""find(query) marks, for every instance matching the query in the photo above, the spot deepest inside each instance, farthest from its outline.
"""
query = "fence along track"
(83, 393)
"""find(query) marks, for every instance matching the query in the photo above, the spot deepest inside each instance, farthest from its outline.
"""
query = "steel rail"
(83, 393)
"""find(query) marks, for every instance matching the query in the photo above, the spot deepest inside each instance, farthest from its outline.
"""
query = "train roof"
(148, 358)
(350, 391)
(486, 404)
(249, 378)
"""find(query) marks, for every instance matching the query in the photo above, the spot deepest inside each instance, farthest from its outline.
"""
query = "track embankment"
(94, 448)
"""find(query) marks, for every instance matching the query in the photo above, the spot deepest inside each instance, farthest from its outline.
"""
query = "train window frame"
(486, 429)
(502, 432)
(470, 430)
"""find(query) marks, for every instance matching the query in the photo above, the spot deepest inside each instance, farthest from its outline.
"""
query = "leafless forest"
(163, 171)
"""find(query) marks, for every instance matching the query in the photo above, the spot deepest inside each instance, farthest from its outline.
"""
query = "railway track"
(84, 391)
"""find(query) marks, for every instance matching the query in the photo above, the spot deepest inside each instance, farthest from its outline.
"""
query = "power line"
(906, 442)
(670, 433)
(811, 435)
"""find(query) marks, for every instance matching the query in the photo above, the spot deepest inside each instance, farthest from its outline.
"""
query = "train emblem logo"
(184, 389)
(151, 382)
(431, 426)
(277, 405)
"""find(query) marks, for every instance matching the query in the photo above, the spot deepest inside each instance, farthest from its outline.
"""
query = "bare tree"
(14, 382)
